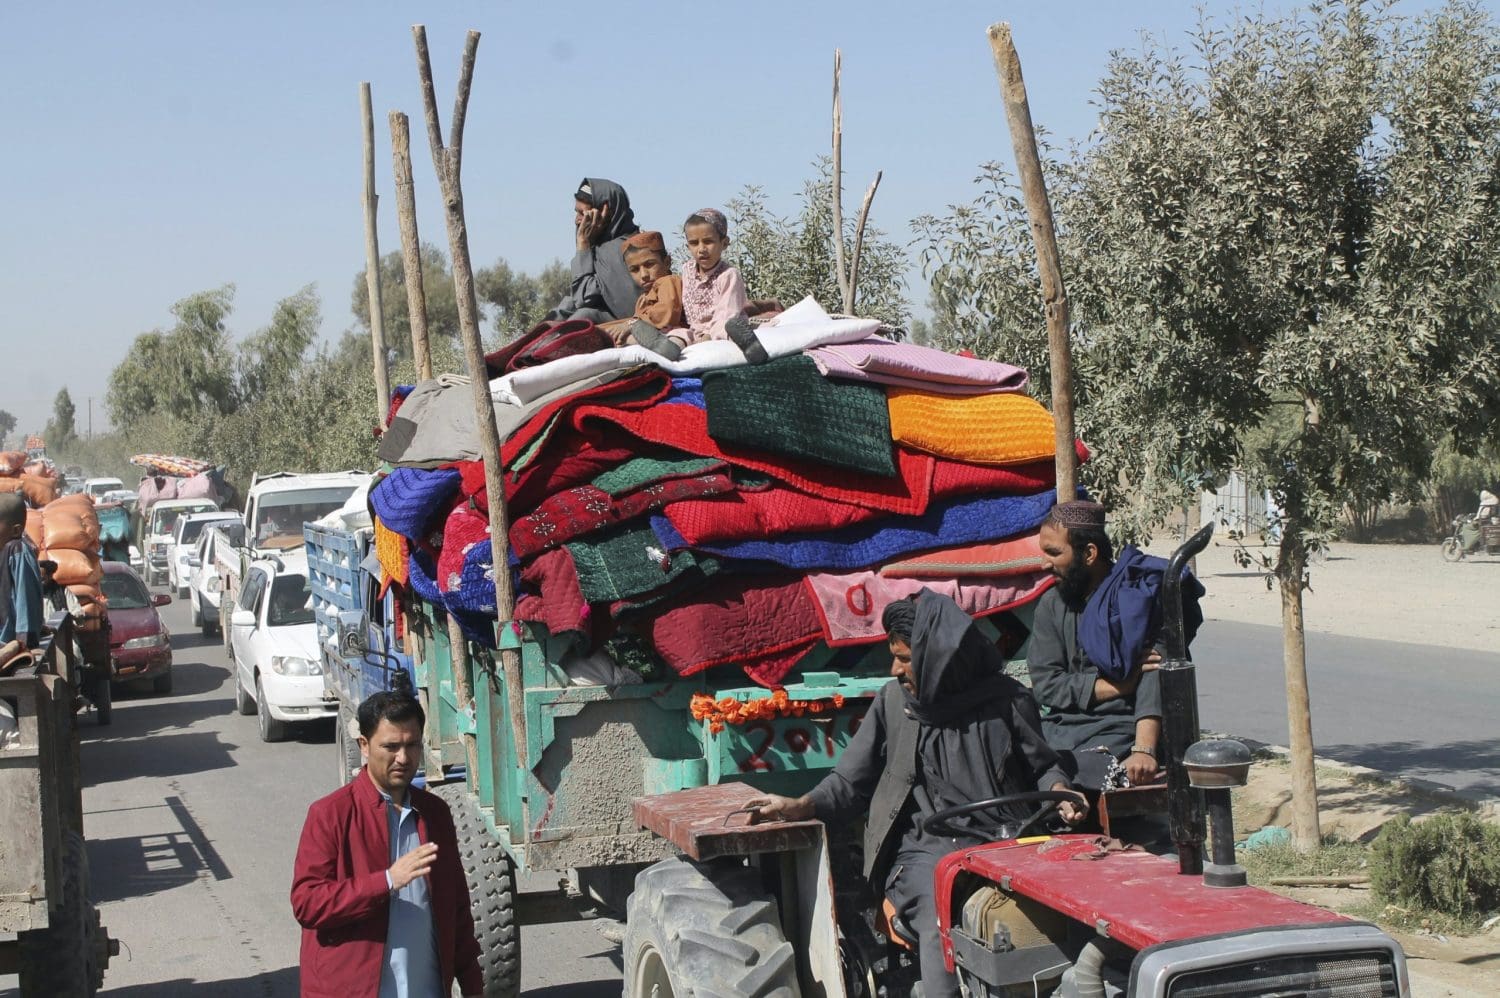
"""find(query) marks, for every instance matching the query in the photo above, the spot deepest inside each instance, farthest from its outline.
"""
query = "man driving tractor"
(951, 729)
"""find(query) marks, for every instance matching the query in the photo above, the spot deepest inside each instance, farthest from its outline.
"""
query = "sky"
(155, 149)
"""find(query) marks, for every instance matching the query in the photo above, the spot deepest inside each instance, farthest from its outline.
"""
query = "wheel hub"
(651, 980)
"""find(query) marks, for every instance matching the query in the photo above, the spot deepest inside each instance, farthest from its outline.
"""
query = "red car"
(140, 646)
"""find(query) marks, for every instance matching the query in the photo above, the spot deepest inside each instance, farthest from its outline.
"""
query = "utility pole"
(372, 265)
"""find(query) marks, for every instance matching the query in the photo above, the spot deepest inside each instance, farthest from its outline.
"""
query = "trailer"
(60, 947)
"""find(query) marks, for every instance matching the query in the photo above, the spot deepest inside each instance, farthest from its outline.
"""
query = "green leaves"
(1294, 210)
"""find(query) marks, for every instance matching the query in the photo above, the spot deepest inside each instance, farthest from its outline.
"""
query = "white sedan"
(274, 646)
(185, 538)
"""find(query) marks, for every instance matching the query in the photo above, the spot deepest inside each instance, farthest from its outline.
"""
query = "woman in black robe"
(602, 288)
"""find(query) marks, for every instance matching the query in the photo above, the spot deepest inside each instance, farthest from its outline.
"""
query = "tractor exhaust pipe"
(1179, 695)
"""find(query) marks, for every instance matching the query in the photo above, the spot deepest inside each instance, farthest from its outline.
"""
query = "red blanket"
(764, 623)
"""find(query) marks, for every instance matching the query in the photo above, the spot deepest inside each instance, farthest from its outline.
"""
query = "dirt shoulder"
(1388, 592)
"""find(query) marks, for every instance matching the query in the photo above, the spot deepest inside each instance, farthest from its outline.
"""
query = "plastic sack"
(197, 487)
(70, 528)
(11, 462)
(75, 568)
(11, 485)
(88, 596)
(156, 488)
(39, 491)
(34, 527)
(40, 469)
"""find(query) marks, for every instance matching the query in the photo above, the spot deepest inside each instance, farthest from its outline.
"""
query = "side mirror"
(353, 627)
(242, 618)
(194, 561)
(160, 599)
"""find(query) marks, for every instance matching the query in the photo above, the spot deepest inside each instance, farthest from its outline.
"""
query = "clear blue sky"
(156, 149)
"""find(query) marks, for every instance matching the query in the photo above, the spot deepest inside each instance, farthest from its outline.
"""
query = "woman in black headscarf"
(950, 729)
(602, 288)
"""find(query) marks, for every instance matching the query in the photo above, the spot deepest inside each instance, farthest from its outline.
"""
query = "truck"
(158, 526)
(276, 507)
(59, 945)
(638, 800)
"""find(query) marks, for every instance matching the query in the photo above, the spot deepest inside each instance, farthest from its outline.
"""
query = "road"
(192, 822)
(1412, 710)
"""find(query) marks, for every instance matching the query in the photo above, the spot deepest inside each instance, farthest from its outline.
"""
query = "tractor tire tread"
(491, 874)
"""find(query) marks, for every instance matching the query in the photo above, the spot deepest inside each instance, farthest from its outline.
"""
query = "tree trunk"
(1049, 262)
(1291, 570)
(411, 244)
(372, 265)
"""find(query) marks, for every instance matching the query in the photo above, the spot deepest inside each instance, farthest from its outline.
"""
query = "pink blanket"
(850, 604)
(912, 366)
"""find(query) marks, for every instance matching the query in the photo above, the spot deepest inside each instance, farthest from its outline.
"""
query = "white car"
(160, 524)
(273, 646)
(97, 487)
(184, 539)
(204, 582)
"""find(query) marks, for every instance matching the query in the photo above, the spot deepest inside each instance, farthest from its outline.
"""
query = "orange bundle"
(39, 490)
(11, 485)
(34, 527)
(75, 568)
(40, 469)
(11, 463)
(71, 525)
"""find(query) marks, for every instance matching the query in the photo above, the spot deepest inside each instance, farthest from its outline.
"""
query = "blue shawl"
(1123, 618)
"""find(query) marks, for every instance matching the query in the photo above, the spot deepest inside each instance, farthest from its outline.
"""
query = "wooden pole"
(859, 243)
(448, 162)
(1049, 263)
(411, 244)
(372, 264)
(838, 185)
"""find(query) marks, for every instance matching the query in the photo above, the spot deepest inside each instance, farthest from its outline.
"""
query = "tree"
(437, 283)
(518, 301)
(273, 355)
(183, 372)
(7, 424)
(1293, 223)
(791, 258)
(61, 429)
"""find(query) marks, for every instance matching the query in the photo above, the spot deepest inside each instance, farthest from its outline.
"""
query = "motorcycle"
(1471, 536)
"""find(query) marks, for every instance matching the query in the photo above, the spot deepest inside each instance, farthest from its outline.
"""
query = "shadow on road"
(283, 983)
(149, 715)
(189, 678)
(1480, 757)
(160, 756)
(583, 989)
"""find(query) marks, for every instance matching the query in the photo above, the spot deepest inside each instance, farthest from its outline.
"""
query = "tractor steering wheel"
(937, 823)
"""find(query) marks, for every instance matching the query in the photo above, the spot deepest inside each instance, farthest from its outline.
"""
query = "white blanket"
(799, 328)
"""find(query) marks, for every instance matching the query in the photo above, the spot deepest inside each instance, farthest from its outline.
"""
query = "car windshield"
(163, 520)
(291, 601)
(193, 529)
(124, 592)
(286, 512)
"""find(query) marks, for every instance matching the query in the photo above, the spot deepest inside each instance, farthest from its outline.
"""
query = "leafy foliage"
(518, 301)
(7, 425)
(61, 428)
(1296, 213)
(791, 258)
(1448, 862)
(187, 369)
(437, 286)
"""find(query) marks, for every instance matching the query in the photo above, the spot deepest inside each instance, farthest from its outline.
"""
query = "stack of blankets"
(66, 531)
(725, 514)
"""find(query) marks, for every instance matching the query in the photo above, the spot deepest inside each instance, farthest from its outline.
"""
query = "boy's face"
(647, 267)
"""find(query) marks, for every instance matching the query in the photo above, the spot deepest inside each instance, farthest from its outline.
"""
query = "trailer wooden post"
(411, 244)
(1049, 263)
(838, 185)
(372, 264)
(448, 162)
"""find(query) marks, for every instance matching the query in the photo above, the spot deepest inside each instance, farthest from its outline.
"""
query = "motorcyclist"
(1489, 506)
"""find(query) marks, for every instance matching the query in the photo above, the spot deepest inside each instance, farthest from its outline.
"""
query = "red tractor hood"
(1135, 897)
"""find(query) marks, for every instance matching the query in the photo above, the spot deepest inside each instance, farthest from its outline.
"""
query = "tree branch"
(429, 97)
(461, 101)
(859, 242)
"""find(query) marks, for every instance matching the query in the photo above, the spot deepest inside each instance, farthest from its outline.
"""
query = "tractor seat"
(890, 923)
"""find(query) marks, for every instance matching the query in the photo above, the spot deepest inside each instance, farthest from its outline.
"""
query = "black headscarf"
(601, 193)
(957, 671)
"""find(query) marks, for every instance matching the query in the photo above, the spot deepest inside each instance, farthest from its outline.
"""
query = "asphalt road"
(192, 821)
(1420, 712)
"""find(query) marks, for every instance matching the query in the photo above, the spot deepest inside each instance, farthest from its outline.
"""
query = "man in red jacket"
(379, 888)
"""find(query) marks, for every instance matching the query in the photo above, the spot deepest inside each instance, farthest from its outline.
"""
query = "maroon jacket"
(341, 899)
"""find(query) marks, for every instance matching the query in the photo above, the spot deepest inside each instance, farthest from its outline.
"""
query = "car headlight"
(290, 665)
(149, 641)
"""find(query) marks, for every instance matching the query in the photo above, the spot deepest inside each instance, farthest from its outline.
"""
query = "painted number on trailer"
(817, 738)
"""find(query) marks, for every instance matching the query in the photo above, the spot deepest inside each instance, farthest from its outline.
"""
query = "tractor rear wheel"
(491, 874)
(701, 929)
